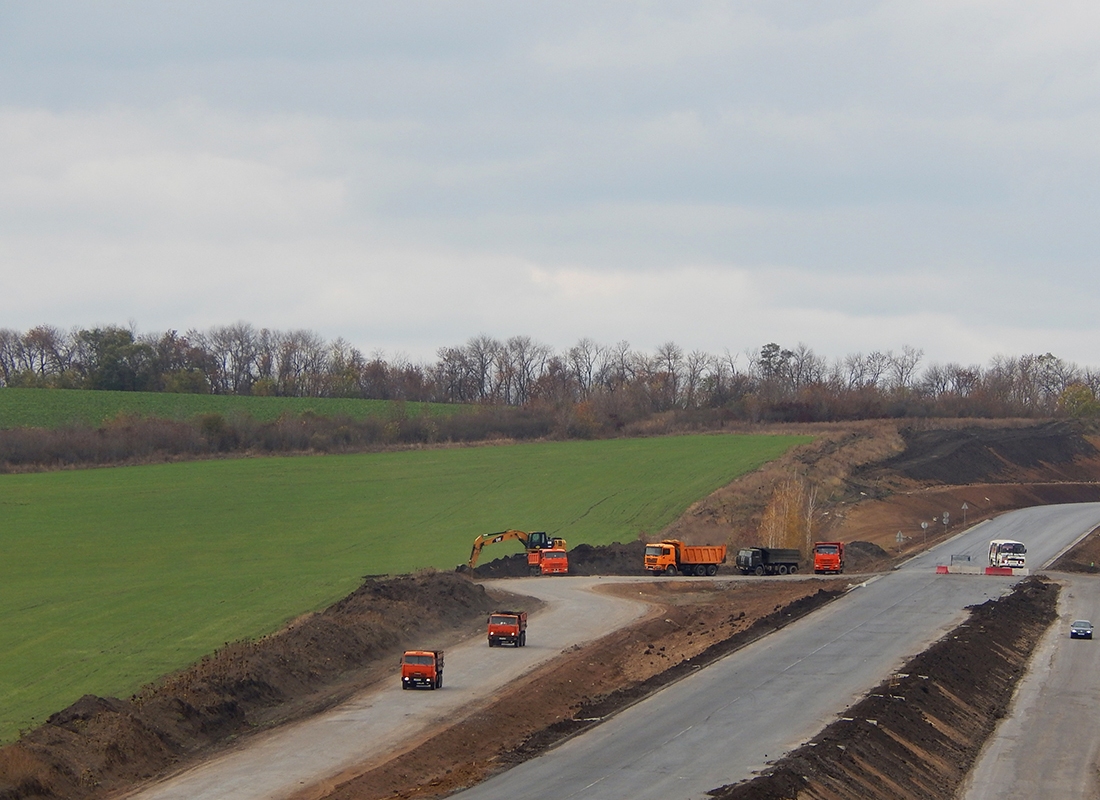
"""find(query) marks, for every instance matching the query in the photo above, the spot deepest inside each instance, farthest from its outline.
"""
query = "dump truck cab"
(552, 561)
(422, 668)
(828, 557)
(507, 627)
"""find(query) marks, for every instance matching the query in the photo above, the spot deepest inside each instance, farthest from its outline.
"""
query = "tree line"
(606, 384)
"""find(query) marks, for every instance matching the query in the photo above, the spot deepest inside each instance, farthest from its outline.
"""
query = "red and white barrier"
(943, 569)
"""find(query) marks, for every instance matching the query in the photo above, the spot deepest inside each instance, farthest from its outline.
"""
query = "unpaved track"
(386, 719)
(1049, 744)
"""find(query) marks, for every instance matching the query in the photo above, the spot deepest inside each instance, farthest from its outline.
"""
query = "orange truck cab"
(508, 627)
(552, 561)
(422, 668)
(828, 557)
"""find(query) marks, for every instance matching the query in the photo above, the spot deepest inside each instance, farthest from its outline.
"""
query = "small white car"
(1080, 629)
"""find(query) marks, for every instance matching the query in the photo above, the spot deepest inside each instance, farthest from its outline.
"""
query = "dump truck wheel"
(794, 570)
(782, 569)
(522, 639)
(535, 571)
(671, 571)
(712, 569)
(701, 570)
(760, 570)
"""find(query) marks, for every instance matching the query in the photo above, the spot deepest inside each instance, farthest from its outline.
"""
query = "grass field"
(53, 408)
(110, 578)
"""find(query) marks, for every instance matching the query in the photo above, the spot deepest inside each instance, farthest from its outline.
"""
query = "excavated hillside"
(870, 479)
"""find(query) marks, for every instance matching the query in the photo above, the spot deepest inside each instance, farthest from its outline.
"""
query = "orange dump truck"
(552, 561)
(828, 557)
(422, 668)
(508, 627)
(672, 556)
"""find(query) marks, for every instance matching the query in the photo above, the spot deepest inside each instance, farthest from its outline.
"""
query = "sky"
(852, 176)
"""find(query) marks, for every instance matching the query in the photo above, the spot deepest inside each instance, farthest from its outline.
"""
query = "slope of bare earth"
(872, 480)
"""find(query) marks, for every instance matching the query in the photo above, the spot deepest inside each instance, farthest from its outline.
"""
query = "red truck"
(422, 668)
(551, 561)
(508, 627)
(828, 557)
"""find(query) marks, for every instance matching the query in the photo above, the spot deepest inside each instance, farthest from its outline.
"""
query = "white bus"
(1007, 553)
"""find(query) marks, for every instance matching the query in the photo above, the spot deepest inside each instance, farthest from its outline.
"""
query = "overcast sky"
(854, 176)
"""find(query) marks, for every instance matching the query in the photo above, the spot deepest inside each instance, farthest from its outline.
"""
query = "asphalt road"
(727, 721)
(1048, 745)
(385, 720)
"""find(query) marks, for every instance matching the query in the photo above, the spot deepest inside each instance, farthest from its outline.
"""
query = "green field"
(112, 577)
(53, 408)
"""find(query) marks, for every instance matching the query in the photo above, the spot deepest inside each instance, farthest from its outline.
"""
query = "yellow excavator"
(545, 553)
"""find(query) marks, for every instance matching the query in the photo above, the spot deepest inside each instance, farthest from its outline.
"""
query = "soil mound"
(584, 559)
(917, 734)
(99, 744)
(864, 557)
(993, 454)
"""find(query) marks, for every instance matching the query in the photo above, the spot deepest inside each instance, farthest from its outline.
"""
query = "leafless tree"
(584, 359)
(903, 367)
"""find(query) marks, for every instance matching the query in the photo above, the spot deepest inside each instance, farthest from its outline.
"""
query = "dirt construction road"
(387, 720)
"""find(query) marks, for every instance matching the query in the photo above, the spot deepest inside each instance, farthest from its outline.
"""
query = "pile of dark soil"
(994, 454)
(917, 735)
(99, 744)
(584, 559)
(864, 557)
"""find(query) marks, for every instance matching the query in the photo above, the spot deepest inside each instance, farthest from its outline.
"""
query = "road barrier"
(954, 569)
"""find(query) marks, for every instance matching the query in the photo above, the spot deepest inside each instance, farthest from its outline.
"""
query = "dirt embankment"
(100, 745)
(917, 735)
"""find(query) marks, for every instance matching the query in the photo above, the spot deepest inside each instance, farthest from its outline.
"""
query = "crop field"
(54, 408)
(112, 577)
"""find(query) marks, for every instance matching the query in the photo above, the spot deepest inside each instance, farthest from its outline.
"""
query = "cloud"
(854, 175)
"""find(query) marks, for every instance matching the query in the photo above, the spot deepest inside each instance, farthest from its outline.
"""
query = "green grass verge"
(54, 408)
(112, 577)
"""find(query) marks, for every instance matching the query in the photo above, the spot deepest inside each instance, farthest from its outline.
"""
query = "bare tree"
(10, 345)
(696, 368)
(903, 367)
(481, 354)
(584, 359)
(666, 370)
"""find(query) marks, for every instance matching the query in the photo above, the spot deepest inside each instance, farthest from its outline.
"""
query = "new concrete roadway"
(725, 722)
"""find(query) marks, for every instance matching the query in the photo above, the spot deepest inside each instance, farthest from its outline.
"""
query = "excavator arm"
(536, 540)
(494, 538)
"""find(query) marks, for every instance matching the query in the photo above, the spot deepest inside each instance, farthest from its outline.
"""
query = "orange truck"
(552, 561)
(508, 627)
(828, 557)
(671, 556)
(422, 668)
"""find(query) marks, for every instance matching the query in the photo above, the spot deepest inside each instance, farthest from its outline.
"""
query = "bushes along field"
(113, 577)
